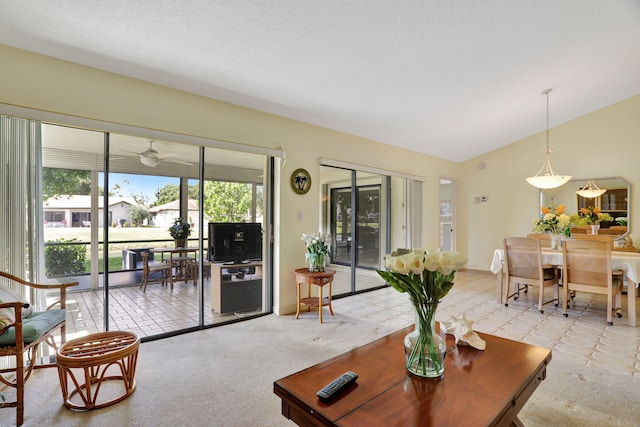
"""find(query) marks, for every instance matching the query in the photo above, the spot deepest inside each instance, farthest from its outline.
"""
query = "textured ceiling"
(453, 79)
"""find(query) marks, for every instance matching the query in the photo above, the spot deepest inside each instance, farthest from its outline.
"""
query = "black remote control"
(336, 385)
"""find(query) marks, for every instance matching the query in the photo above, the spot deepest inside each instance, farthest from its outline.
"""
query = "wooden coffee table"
(479, 387)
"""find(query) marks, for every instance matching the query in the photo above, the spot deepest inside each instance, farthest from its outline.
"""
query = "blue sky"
(131, 184)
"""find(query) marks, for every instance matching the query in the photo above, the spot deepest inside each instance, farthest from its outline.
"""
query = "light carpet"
(224, 377)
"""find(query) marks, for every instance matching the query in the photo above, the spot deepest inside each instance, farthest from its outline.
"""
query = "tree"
(138, 214)
(227, 201)
(58, 182)
(194, 191)
(166, 194)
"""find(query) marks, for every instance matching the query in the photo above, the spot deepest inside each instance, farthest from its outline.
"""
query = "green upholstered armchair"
(22, 330)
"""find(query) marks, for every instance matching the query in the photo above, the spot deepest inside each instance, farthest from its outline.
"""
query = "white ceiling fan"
(152, 158)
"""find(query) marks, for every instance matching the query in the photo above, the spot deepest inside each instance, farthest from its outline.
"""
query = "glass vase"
(425, 348)
(595, 228)
(556, 241)
(316, 262)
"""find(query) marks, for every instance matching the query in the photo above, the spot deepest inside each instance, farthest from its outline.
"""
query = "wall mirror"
(614, 201)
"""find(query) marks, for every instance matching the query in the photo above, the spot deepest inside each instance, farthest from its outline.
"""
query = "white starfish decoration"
(460, 328)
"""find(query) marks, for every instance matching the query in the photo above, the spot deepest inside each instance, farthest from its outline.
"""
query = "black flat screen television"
(235, 242)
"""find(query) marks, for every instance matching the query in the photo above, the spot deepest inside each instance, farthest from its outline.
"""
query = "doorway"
(447, 225)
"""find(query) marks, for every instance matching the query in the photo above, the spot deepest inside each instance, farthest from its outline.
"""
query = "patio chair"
(21, 332)
(149, 269)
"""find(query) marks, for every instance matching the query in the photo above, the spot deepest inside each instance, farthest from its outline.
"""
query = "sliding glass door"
(366, 217)
(106, 225)
(361, 210)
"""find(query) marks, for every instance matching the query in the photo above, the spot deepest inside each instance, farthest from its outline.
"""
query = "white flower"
(399, 265)
(317, 243)
(415, 261)
(426, 275)
(432, 260)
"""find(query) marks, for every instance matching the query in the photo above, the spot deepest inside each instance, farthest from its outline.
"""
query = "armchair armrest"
(62, 287)
(17, 307)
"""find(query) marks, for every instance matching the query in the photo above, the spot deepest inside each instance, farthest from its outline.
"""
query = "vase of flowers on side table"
(317, 250)
(180, 231)
(427, 276)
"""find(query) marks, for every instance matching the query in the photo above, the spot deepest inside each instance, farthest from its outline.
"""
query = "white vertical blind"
(20, 222)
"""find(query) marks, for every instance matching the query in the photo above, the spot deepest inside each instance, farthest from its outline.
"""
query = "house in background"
(75, 211)
(164, 215)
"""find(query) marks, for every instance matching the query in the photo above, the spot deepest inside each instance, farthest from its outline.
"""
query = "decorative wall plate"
(300, 181)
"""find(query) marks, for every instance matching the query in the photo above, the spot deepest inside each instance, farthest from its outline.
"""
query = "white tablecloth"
(629, 262)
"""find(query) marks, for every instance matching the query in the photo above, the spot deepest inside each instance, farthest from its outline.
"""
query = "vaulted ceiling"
(452, 79)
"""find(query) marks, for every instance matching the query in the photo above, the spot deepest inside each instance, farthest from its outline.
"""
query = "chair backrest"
(587, 262)
(579, 230)
(611, 231)
(545, 239)
(523, 257)
(607, 238)
(145, 262)
(623, 228)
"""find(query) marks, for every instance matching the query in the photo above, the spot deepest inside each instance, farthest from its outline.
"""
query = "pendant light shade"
(546, 177)
(590, 190)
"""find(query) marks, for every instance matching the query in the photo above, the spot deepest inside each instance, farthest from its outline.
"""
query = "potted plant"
(180, 231)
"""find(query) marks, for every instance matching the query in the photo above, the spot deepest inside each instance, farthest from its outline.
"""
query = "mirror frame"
(548, 197)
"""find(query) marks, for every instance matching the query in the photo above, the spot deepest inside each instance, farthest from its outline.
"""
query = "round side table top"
(94, 347)
(318, 274)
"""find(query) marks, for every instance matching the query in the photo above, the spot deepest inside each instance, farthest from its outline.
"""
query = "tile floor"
(583, 336)
(161, 309)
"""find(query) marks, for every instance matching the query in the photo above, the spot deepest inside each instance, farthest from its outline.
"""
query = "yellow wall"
(604, 143)
(601, 144)
(43, 83)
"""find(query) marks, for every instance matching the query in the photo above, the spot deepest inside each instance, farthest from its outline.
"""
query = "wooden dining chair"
(545, 239)
(524, 268)
(586, 267)
(622, 228)
(580, 230)
(607, 238)
(611, 231)
(163, 268)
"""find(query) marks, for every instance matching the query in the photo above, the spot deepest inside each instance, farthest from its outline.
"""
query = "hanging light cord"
(546, 176)
(546, 92)
(546, 168)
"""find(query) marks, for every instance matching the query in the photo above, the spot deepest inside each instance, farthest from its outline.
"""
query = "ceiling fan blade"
(180, 162)
(128, 152)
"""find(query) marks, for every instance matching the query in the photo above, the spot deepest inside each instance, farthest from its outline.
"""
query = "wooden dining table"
(628, 262)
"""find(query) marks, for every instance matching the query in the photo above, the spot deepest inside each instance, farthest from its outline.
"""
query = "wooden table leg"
(298, 303)
(499, 280)
(330, 296)
(171, 271)
(631, 302)
(320, 288)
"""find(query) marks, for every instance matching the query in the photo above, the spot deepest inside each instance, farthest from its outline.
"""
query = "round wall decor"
(300, 181)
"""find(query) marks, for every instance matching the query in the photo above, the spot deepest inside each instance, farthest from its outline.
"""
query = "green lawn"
(132, 237)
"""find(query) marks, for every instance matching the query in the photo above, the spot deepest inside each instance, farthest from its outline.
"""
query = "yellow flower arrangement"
(554, 220)
(592, 215)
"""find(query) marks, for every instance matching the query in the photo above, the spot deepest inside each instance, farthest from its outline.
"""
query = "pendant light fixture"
(546, 176)
(590, 190)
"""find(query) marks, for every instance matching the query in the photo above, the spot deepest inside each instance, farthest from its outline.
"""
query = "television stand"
(232, 263)
(230, 293)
